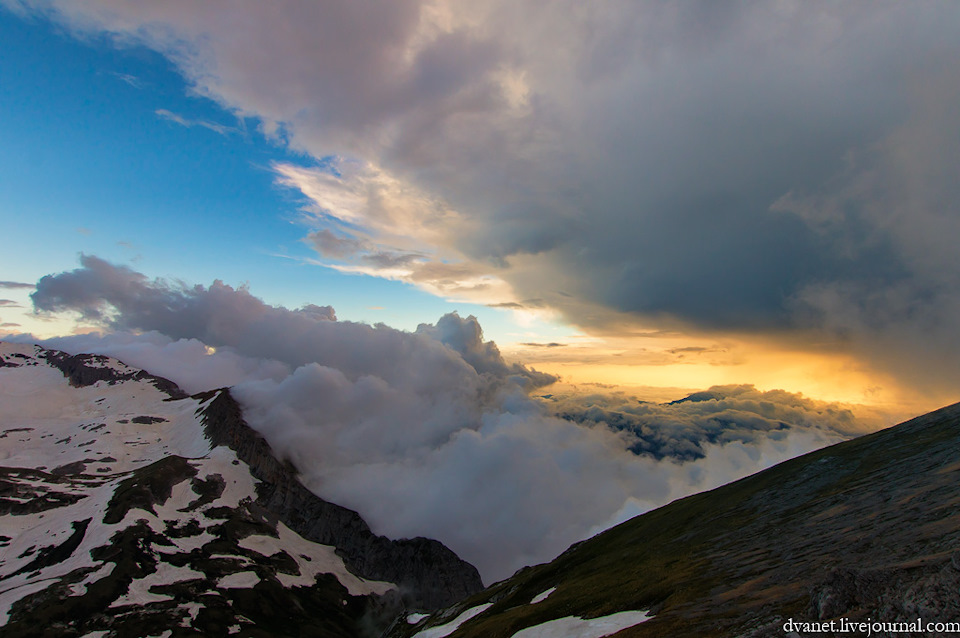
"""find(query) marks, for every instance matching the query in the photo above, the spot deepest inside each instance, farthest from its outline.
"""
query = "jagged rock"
(847, 590)
(86, 369)
(429, 574)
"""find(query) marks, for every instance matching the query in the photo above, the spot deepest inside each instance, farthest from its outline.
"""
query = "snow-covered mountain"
(128, 508)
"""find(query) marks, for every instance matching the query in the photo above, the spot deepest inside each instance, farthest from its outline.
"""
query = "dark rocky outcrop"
(56, 553)
(148, 486)
(429, 574)
(27, 491)
(86, 369)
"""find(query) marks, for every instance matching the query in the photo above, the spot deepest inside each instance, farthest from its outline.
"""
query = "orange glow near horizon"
(657, 369)
(660, 368)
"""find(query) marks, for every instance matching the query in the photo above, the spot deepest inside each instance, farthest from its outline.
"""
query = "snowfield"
(110, 429)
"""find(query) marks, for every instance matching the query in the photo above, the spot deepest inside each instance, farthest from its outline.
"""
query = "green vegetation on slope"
(841, 531)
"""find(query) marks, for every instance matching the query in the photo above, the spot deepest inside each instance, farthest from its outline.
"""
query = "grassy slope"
(748, 553)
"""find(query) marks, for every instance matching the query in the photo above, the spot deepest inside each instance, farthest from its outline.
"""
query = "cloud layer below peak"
(432, 432)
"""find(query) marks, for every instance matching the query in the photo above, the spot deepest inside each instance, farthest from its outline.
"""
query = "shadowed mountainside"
(868, 528)
(429, 574)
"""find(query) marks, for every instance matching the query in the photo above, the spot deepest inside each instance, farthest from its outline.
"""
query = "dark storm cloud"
(785, 168)
(686, 156)
(751, 167)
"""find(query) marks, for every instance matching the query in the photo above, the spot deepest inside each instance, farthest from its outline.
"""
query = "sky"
(640, 194)
(640, 199)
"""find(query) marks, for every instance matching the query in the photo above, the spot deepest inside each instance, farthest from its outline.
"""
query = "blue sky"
(88, 165)
(674, 195)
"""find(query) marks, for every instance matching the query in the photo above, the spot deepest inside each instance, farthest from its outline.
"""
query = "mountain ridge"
(372, 556)
(129, 508)
(867, 528)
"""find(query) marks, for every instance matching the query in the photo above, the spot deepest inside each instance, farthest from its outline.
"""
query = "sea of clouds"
(430, 432)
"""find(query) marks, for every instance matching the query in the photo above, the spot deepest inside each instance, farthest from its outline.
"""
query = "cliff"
(428, 573)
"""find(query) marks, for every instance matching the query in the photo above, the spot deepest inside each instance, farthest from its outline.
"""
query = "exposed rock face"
(86, 369)
(429, 574)
(929, 592)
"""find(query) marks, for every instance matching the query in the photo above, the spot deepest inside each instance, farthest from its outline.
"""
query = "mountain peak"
(128, 506)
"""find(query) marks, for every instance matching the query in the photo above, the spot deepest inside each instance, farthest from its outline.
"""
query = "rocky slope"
(130, 509)
(865, 530)
(429, 575)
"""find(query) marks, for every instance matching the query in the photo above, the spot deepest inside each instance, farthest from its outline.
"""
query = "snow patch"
(187, 544)
(191, 609)
(95, 437)
(79, 589)
(413, 619)
(44, 529)
(312, 559)
(239, 483)
(13, 594)
(139, 592)
(239, 580)
(542, 596)
(441, 631)
(574, 627)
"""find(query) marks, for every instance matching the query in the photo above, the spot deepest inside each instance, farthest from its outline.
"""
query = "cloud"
(371, 223)
(763, 168)
(16, 285)
(123, 300)
(520, 305)
(336, 246)
(9, 303)
(431, 432)
(690, 350)
(685, 429)
(895, 210)
(189, 123)
(128, 79)
(193, 365)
